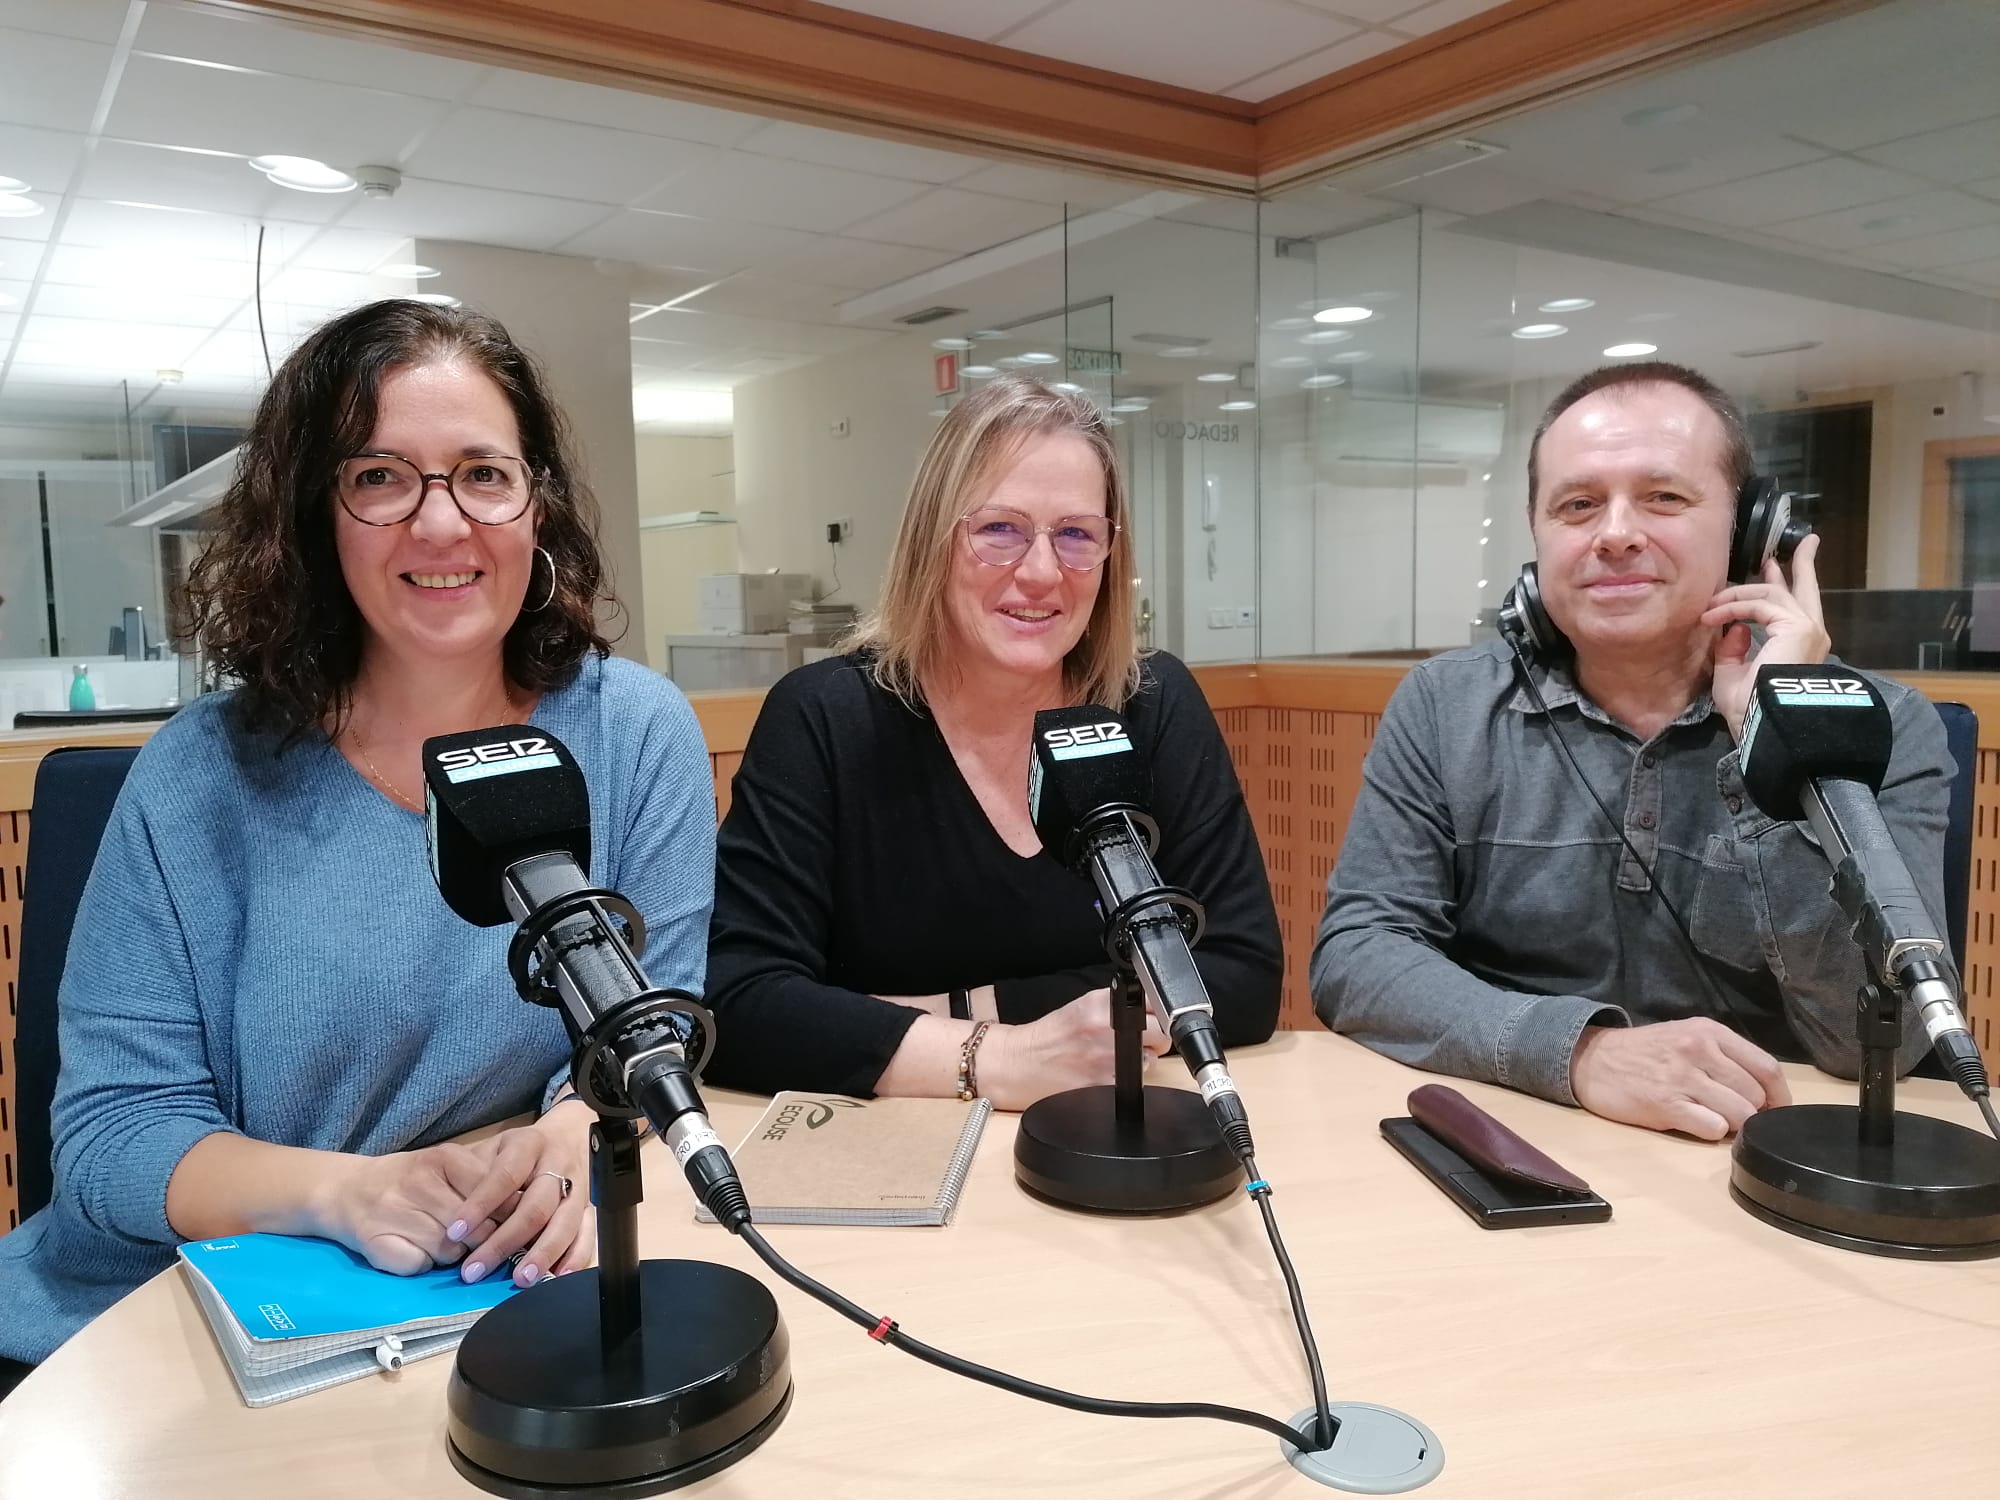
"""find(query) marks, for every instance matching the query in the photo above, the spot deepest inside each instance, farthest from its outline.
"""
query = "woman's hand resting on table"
(1070, 1048)
(474, 1205)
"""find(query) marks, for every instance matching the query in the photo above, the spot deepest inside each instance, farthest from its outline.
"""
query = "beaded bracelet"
(968, 1053)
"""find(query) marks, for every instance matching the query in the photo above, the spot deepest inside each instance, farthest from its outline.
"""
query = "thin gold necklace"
(395, 793)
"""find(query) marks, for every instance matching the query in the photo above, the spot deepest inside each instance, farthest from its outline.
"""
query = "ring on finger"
(561, 1181)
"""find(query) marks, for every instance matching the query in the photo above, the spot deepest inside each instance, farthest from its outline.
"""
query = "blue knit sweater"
(261, 949)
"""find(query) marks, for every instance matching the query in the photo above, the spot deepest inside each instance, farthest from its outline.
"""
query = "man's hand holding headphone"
(1793, 624)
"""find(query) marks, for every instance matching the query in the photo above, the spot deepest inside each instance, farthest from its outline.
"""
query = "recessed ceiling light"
(1238, 406)
(1630, 351)
(1489, 520)
(1326, 336)
(1661, 114)
(1067, 385)
(988, 333)
(1286, 325)
(1111, 421)
(304, 174)
(1343, 315)
(407, 270)
(1482, 583)
(1320, 382)
(1569, 304)
(1540, 331)
(951, 343)
(17, 206)
(12, 185)
(979, 372)
(1290, 361)
(435, 299)
(1037, 357)
(1009, 361)
(1350, 357)
(1182, 351)
(1131, 403)
(1216, 377)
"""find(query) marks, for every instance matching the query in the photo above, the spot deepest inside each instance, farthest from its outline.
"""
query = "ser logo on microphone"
(1821, 692)
(1076, 741)
(499, 757)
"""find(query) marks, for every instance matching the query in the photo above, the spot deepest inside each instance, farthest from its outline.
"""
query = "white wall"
(793, 476)
(682, 474)
(574, 316)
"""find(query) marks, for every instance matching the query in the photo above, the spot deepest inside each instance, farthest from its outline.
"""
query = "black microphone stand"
(1128, 1148)
(635, 1377)
(1870, 1177)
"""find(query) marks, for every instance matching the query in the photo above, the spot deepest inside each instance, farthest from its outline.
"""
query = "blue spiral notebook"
(293, 1316)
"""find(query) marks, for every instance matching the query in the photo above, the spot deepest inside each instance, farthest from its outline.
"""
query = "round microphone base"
(1933, 1193)
(536, 1411)
(1073, 1150)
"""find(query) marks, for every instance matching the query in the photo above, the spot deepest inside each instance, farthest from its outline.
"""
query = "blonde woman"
(882, 903)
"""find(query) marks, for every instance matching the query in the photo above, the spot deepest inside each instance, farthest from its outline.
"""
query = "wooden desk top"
(1683, 1349)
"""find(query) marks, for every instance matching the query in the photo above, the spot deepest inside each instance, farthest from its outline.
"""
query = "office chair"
(74, 790)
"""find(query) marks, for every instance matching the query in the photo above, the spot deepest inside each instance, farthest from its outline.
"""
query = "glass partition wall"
(1794, 220)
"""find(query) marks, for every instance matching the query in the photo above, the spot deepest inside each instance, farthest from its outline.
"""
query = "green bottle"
(82, 698)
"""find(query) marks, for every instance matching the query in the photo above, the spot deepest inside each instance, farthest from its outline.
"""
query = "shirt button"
(1646, 820)
(1736, 804)
(1649, 760)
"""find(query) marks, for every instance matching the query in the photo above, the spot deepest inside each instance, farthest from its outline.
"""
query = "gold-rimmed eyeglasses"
(383, 489)
(1001, 537)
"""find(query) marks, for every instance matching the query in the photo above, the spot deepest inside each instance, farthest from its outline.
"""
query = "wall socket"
(840, 531)
(1246, 618)
(1229, 617)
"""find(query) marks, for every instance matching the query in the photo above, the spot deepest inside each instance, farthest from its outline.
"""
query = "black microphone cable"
(885, 1330)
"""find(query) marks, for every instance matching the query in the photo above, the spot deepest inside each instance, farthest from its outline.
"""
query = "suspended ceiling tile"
(947, 219)
(256, 114)
(121, 171)
(739, 186)
(660, 239)
(789, 141)
(43, 159)
(52, 82)
(1316, 65)
(1817, 187)
(1950, 249)
(1443, 13)
(613, 108)
(1882, 224)
(85, 20)
(1081, 190)
(526, 153)
(1963, 153)
(480, 216)
(859, 265)
(269, 45)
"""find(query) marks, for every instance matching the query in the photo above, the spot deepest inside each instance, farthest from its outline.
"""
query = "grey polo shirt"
(1483, 912)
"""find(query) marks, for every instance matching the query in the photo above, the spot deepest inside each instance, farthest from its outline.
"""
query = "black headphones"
(1765, 528)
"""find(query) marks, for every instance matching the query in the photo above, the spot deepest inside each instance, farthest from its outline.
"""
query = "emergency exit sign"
(1096, 362)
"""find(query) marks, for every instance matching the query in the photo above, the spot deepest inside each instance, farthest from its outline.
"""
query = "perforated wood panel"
(1305, 775)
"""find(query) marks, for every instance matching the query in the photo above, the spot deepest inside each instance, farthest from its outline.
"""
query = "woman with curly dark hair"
(270, 1019)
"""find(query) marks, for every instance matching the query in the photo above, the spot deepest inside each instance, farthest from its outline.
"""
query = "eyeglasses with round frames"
(382, 489)
(1001, 537)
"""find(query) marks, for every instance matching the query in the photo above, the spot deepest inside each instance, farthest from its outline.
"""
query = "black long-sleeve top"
(856, 862)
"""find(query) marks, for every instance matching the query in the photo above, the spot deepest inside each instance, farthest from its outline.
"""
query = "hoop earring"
(549, 597)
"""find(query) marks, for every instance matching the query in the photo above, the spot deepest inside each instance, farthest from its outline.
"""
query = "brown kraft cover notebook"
(825, 1159)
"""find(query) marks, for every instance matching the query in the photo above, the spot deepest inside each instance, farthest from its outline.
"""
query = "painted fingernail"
(457, 1230)
(474, 1271)
(529, 1275)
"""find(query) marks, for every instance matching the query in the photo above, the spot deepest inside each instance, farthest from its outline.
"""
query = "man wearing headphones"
(1625, 931)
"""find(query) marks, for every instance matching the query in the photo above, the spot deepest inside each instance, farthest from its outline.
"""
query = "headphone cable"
(1726, 1005)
